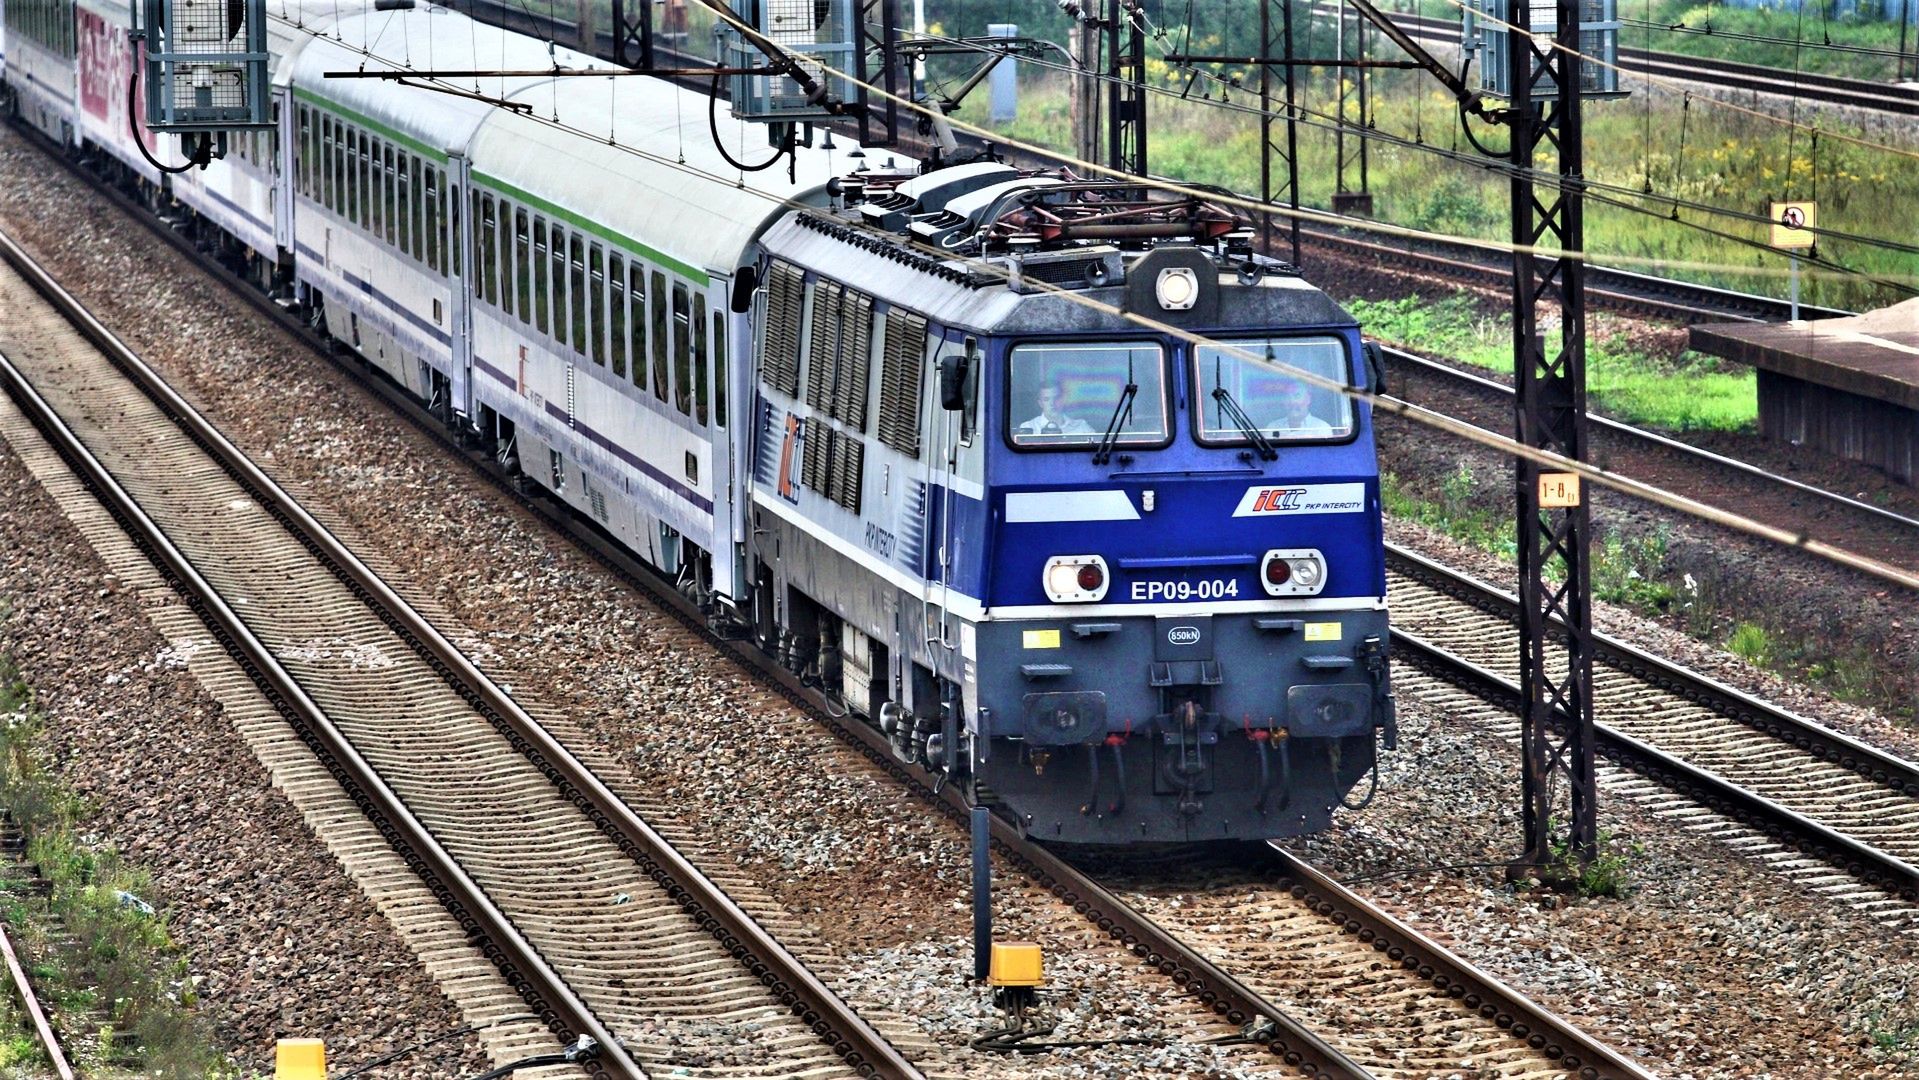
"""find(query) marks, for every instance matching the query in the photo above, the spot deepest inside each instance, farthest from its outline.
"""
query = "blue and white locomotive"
(1051, 479)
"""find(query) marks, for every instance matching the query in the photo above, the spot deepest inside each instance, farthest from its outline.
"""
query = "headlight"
(1293, 572)
(1075, 579)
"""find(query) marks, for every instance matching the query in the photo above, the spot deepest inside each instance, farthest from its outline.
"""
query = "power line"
(1389, 406)
(1328, 122)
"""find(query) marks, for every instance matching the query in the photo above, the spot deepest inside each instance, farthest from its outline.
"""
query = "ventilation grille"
(785, 290)
(901, 382)
(856, 360)
(834, 465)
(849, 458)
(822, 358)
(816, 467)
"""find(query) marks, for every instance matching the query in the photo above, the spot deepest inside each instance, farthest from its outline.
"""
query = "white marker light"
(1177, 289)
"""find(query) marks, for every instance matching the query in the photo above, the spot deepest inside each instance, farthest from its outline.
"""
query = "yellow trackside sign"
(1792, 224)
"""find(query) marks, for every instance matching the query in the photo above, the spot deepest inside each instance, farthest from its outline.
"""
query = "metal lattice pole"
(1556, 643)
(878, 36)
(1278, 152)
(1349, 149)
(1126, 130)
(633, 33)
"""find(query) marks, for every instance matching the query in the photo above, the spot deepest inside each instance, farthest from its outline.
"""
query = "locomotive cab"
(1184, 571)
(1109, 550)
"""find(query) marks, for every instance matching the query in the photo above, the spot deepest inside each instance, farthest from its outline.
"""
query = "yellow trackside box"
(1015, 963)
(299, 1059)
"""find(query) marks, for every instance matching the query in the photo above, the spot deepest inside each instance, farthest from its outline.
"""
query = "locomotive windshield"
(1259, 376)
(1069, 394)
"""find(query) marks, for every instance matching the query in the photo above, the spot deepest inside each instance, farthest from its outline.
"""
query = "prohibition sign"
(1792, 223)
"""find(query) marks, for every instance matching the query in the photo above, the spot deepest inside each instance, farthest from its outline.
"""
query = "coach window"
(323, 180)
(435, 214)
(370, 184)
(682, 350)
(558, 236)
(350, 171)
(719, 368)
(489, 261)
(659, 335)
(582, 307)
(336, 168)
(596, 270)
(418, 181)
(636, 321)
(408, 201)
(699, 358)
(616, 332)
(369, 181)
(455, 238)
(390, 180)
(305, 143)
(539, 274)
(523, 260)
(413, 182)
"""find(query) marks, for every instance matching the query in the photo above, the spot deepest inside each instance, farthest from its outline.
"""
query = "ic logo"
(1183, 635)
(1277, 500)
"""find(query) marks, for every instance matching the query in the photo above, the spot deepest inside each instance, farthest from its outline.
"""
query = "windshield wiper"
(1106, 442)
(1245, 423)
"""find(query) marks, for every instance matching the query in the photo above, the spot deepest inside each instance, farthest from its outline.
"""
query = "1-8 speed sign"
(1792, 224)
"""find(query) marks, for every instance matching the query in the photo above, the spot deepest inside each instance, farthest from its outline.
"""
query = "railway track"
(1617, 290)
(1427, 1006)
(1807, 86)
(606, 931)
(1713, 479)
(1847, 806)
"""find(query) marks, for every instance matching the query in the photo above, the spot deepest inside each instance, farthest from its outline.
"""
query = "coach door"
(731, 342)
(460, 322)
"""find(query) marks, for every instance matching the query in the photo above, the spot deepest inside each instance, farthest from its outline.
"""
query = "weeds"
(1750, 642)
(1455, 512)
(117, 955)
(1608, 874)
(1629, 571)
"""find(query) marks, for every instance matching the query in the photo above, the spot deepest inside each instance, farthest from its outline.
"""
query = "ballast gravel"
(1713, 968)
(279, 943)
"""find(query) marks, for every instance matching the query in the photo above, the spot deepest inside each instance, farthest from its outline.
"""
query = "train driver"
(1296, 419)
(1052, 421)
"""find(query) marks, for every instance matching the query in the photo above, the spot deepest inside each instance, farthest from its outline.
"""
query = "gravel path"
(1715, 968)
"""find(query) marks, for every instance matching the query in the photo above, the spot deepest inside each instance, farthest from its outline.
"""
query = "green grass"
(1729, 159)
(1688, 394)
(1750, 642)
(1456, 510)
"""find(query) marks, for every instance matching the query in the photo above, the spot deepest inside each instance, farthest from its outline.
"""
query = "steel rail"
(1665, 298)
(1813, 86)
(858, 1044)
(1718, 794)
(1627, 431)
(518, 959)
(42, 1031)
(1701, 689)
(1540, 1028)
(1807, 735)
(1285, 1037)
